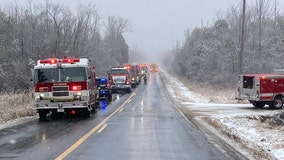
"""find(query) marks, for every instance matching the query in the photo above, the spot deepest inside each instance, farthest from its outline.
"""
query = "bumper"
(120, 86)
(61, 105)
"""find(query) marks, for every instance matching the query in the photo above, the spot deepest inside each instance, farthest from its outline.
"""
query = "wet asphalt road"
(142, 125)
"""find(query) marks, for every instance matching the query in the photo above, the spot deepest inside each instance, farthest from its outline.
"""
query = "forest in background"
(44, 30)
(211, 54)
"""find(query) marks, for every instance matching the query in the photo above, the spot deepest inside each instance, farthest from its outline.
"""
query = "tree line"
(211, 54)
(45, 30)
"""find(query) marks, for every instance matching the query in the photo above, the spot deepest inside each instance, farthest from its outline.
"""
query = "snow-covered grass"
(256, 133)
(14, 106)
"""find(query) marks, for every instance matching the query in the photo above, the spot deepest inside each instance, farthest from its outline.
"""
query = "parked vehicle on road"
(120, 80)
(154, 67)
(104, 90)
(64, 86)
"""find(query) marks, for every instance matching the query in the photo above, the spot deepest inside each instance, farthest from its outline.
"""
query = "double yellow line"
(82, 139)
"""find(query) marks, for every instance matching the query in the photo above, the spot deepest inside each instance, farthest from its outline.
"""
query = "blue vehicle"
(104, 89)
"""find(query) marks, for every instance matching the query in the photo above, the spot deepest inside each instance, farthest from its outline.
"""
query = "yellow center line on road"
(129, 100)
(121, 109)
(103, 127)
(82, 139)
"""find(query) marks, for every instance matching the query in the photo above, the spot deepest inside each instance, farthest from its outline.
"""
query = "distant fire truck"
(134, 74)
(262, 89)
(119, 79)
(64, 86)
(143, 67)
(154, 67)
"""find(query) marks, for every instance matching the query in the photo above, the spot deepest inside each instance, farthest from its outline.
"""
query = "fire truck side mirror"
(32, 80)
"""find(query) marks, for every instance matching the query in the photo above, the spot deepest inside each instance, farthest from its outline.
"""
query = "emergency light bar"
(103, 80)
(55, 60)
(127, 67)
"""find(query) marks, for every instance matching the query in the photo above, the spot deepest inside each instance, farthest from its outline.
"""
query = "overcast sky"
(158, 24)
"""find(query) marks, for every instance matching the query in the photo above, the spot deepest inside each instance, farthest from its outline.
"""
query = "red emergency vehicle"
(154, 67)
(119, 79)
(143, 67)
(134, 74)
(64, 86)
(262, 89)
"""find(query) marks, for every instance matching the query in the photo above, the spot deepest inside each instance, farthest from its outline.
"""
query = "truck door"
(249, 85)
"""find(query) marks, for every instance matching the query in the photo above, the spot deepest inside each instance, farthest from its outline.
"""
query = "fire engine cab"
(262, 89)
(65, 86)
(120, 80)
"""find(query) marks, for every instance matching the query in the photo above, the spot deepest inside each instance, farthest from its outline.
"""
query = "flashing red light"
(73, 112)
(263, 77)
(71, 60)
(76, 88)
(54, 60)
(50, 61)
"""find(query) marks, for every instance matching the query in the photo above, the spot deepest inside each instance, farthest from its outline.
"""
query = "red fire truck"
(154, 67)
(262, 89)
(134, 74)
(143, 67)
(64, 86)
(119, 79)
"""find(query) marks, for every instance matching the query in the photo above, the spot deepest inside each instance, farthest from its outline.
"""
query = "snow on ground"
(253, 132)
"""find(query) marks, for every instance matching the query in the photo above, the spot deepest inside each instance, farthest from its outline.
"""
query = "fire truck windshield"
(119, 71)
(74, 74)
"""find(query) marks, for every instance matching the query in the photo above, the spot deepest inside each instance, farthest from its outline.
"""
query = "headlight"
(78, 94)
(42, 95)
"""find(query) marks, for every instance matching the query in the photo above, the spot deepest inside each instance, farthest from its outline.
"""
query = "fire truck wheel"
(87, 113)
(277, 103)
(54, 114)
(109, 98)
(42, 115)
(258, 104)
(133, 85)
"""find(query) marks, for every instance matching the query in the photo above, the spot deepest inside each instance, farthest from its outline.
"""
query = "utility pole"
(242, 37)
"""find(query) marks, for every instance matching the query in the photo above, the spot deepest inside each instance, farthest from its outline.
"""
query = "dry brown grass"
(13, 106)
(216, 94)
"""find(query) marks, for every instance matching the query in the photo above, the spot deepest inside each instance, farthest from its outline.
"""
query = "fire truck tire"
(54, 114)
(257, 104)
(87, 113)
(42, 115)
(133, 85)
(109, 98)
(95, 106)
(277, 103)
